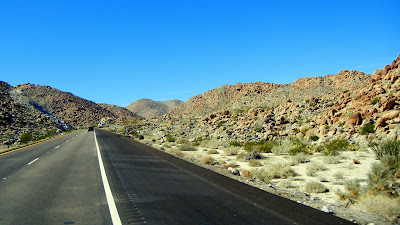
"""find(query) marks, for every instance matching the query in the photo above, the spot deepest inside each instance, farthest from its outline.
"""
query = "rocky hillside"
(350, 105)
(148, 108)
(73, 110)
(259, 94)
(19, 114)
(121, 112)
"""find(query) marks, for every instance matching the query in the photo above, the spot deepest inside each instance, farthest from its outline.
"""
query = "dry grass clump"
(166, 146)
(315, 187)
(212, 151)
(246, 174)
(274, 171)
(175, 152)
(300, 158)
(332, 159)
(216, 144)
(312, 168)
(187, 148)
(208, 160)
(381, 205)
(255, 163)
(352, 192)
(231, 151)
(230, 165)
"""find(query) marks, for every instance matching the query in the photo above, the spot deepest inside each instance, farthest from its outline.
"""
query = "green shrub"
(386, 148)
(312, 168)
(334, 146)
(186, 148)
(300, 147)
(235, 144)
(314, 138)
(25, 138)
(265, 147)
(228, 132)
(375, 100)
(258, 129)
(170, 138)
(366, 129)
(249, 146)
(181, 141)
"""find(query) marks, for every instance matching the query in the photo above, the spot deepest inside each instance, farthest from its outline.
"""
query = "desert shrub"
(181, 141)
(315, 187)
(265, 147)
(375, 100)
(314, 138)
(382, 180)
(255, 163)
(312, 168)
(274, 171)
(338, 176)
(299, 147)
(352, 192)
(246, 173)
(175, 152)
(231, 151)
(216, 144)
(249, 146)
(212, 151)
(25, 138)
(230, 165)
(241, 156)
(258, 129)
(333, 147)
(366, 129)
(166, 146)
(170, 138)
(381, 205)
(208, 160)
(228, 132)
(235, 144)
(187, 148)
(254, 155)
(331, 159)
(300, 158)
(386, 148)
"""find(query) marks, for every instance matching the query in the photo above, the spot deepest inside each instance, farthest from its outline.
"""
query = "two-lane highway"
(60, 182)
(56, 182)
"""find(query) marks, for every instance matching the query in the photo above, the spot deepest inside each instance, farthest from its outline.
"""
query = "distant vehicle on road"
(90, 129)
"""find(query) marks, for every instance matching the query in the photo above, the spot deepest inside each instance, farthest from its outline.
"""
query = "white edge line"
(110, 199)
(32, 161)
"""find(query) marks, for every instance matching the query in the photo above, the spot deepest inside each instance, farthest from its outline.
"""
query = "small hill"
(148, 108)
(72, 109)
(19, 114)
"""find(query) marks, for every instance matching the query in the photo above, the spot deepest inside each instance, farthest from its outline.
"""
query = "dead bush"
(315, 187)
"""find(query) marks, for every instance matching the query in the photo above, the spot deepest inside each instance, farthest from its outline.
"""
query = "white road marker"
(110, 199)
(57, 147)
(33, 161)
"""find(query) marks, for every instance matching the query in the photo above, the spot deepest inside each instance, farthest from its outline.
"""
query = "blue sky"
(117, 52)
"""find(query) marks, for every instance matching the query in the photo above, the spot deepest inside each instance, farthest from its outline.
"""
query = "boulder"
(388, 105)
(391, 115)
(380, 122)
(354, 120)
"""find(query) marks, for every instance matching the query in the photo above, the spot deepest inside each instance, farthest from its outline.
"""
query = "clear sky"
(119, 51)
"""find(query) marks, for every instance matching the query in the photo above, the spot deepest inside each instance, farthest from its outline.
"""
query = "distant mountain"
(148, 108)
(121, 112)
(72, 109)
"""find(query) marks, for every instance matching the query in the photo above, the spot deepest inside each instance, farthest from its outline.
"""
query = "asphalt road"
(59, 182)
(56, 182)
(157, 188)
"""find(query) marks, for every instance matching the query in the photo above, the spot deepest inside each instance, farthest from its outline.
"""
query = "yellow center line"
(4, 153)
